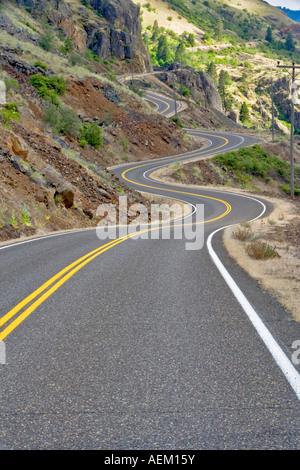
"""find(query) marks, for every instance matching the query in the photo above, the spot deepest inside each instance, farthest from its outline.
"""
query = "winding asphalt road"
(142, 343)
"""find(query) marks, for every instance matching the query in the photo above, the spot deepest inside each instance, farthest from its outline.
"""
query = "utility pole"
(175, 100)
(292, 67)
(181, 88)
(173, 78)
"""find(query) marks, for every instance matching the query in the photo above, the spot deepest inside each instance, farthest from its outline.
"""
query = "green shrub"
(25, 217)
(261, 251)
(92, 134)
(9, 113)
(47, 39)
(63, 120)
(92, 56)
(67, 47)
(254, 161)
(177, 121)
(125, 144)
(13, 220)
(49, 88)
(40, 64)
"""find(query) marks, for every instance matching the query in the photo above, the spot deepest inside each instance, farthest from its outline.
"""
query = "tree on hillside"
(244, 113)
(219, 30)
(211, 69)
(163, 54)
(191, 39)
(180, 51)
(290, 43)
(269, 35)
(47, 38)
(155, 30)
(224, 81)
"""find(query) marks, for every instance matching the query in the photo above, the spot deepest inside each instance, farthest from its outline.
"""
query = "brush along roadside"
(268, 250)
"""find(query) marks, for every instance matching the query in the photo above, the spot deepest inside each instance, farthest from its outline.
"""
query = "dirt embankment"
(50, 182)
(128, 129)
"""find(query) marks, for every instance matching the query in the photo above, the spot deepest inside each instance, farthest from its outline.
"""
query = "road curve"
(144, 344)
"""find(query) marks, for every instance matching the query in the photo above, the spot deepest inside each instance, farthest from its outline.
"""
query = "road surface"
(144, 344)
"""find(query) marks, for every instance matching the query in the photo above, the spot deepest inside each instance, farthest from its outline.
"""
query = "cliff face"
(110, 29)
(202, 86)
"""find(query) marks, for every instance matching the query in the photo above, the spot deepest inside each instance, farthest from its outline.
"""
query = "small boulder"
(15, 147)
(64, 194)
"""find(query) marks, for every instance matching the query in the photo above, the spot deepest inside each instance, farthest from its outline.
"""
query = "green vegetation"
(254, 162)
(25, 217)
(261, 251)
(67, 47)
(223, 83)
(163, 55)
(177, 121)
(13, 220)
(222, 23)
(47, 39)
(49, 88)
(244, 113)
(91, 134)
(62, 120)
(8, 114)
(40, 64)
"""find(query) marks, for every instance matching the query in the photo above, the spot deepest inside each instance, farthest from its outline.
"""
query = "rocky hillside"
(109, 29)
(66, 119)
(237, 43)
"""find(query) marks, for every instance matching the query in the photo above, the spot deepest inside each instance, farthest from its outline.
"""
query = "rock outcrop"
(202, 86)
(109, 29)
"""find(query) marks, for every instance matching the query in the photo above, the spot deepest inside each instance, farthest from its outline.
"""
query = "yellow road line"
(173, 190)
(89, 257)
(47, 284)
(54, 288)
(162, 101)
(180, 157)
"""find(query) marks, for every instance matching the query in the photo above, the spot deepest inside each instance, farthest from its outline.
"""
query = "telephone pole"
(173, 79)
(293, 68)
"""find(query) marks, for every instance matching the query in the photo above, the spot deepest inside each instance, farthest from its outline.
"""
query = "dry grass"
(163, 12)
(261, 250)
(276, 268)
(243, 233)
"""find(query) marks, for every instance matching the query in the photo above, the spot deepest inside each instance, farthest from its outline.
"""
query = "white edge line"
(285, 365)
(43, 237)
(287, 368)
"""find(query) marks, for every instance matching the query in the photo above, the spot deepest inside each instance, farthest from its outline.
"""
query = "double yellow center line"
(36, 298)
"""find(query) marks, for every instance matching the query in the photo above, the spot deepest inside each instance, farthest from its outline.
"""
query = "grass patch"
(261, 251)
(62, 120)
(9, 114)
(49, 88)
(255, 162)
(243, 233)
